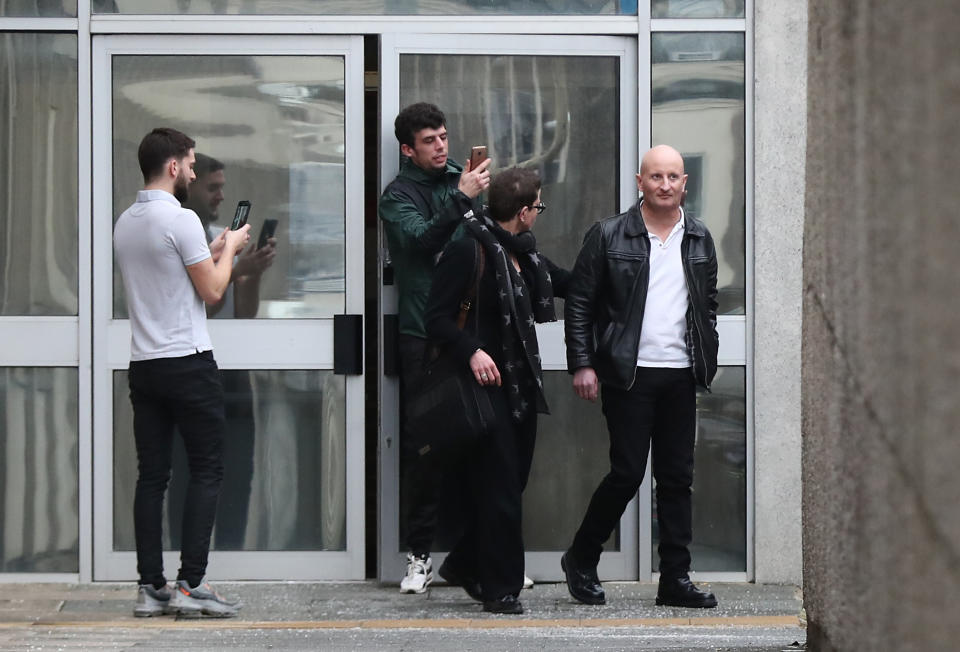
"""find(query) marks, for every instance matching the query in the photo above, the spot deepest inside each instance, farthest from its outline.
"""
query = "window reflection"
(719, 478)
(549, 113)
(571, 457)
(47, 8)
(698, 107)
(697, 9)
(367, 7)
(39, 472)
(284, 485)
(275, 126)
(38, 177)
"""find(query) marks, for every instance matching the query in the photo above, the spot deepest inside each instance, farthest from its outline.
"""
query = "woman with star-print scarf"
(499, 344)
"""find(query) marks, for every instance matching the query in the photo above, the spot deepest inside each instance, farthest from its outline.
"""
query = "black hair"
(416, 117)
(158, 147)
(205, 165)
(511, 190)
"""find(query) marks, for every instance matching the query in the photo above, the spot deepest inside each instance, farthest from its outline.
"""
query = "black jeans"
(658, 410)
(420, 478)
(238, 451)
(184, 393)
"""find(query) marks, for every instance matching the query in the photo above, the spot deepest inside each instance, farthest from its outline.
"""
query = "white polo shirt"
(663, 334)
(154, 241)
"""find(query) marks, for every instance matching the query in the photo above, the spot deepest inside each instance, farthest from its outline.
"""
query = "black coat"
(608, 292)
(450, 286)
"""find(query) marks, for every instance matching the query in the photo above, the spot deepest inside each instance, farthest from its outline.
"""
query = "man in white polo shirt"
(640, 321)
(169, 271)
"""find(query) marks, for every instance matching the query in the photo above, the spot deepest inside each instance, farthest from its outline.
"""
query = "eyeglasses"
(540, 207)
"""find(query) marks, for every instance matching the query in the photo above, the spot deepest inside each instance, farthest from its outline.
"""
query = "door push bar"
(348, 345)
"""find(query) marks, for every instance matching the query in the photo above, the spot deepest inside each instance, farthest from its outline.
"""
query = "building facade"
(297, 99)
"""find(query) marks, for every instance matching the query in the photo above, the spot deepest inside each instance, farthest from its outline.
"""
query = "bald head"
(662, 181)
(661, 154)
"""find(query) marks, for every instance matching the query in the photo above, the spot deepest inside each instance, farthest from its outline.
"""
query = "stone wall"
(881, 352)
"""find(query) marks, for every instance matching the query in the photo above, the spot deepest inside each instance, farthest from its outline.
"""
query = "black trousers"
(491, 546)
(420, 479)
(239, 441)
(186, 394)
(659, 410)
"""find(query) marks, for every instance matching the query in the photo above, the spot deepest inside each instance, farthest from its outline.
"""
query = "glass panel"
(719, 478)
(698, 107)
(546, 112)
(39, 471)
(56, 8)
(284, 485)
(38, 174)
(571, 457)
(276, 124)
(697, 9)
(368, 7)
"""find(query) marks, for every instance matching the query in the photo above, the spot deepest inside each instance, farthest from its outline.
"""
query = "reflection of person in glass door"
(241, 300)
(421, 208)
(169, 272)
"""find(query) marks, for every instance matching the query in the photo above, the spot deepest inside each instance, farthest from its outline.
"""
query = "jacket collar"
(415, 173)
(635, 226)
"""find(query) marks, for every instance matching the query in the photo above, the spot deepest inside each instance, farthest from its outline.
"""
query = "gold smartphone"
(478, 155)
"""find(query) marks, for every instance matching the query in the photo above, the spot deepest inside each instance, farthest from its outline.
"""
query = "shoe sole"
(591, 601)
(205, 613)
(686, 605)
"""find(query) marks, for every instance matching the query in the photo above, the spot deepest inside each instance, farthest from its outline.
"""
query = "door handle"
(348, 345)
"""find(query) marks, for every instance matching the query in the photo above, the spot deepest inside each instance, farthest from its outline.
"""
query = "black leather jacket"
(608, 291)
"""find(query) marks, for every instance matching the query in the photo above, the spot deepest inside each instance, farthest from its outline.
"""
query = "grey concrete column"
(780, 106)
(881, 352)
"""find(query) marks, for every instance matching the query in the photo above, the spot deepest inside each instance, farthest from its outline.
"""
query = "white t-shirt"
(155, 240)
(663, 341)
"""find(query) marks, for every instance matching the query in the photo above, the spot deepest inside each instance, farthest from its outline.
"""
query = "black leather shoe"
(584, 585)
(681, 592)
(454, 578)
(508, 604)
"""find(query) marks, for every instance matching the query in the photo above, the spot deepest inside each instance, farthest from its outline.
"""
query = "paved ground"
(362, 615)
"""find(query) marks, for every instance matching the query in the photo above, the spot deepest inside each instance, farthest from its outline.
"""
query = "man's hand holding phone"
(476, 177)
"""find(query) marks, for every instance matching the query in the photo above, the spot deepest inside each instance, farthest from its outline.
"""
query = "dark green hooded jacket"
(420, 210)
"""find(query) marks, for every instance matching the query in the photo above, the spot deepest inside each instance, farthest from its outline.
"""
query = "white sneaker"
(527, 582)
(419, 574)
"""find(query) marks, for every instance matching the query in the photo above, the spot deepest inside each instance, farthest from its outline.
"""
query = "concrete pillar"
(780, 106)
(881, 348)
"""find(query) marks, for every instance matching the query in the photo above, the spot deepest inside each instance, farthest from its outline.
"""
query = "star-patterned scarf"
(520, 309)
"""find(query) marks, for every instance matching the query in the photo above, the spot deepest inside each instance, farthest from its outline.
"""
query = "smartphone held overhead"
(240, 217)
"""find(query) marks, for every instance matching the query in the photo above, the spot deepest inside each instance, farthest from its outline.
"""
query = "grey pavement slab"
(362, 601)
(364, 615)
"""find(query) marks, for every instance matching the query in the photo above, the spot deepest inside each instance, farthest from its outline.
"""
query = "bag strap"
(479, 262)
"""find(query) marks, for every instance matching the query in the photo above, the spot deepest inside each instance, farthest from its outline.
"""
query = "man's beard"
(181, 188)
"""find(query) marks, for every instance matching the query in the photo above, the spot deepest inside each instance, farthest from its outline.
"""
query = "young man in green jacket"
(421, 209)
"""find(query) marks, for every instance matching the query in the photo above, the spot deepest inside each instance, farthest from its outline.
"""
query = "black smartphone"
(266, 232)
(240, 217)
(478, 155)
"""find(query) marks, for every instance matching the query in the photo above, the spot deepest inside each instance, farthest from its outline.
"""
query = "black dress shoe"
(507, 604)
(681, 592)
(584, 585)
(454, 577)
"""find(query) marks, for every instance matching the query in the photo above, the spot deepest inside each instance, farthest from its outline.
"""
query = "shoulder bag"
(449, 411)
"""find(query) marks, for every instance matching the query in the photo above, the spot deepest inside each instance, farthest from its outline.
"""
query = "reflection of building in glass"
(698, 108)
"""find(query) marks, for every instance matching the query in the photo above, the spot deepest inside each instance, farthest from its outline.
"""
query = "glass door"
(567, 107)
(278, 122)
